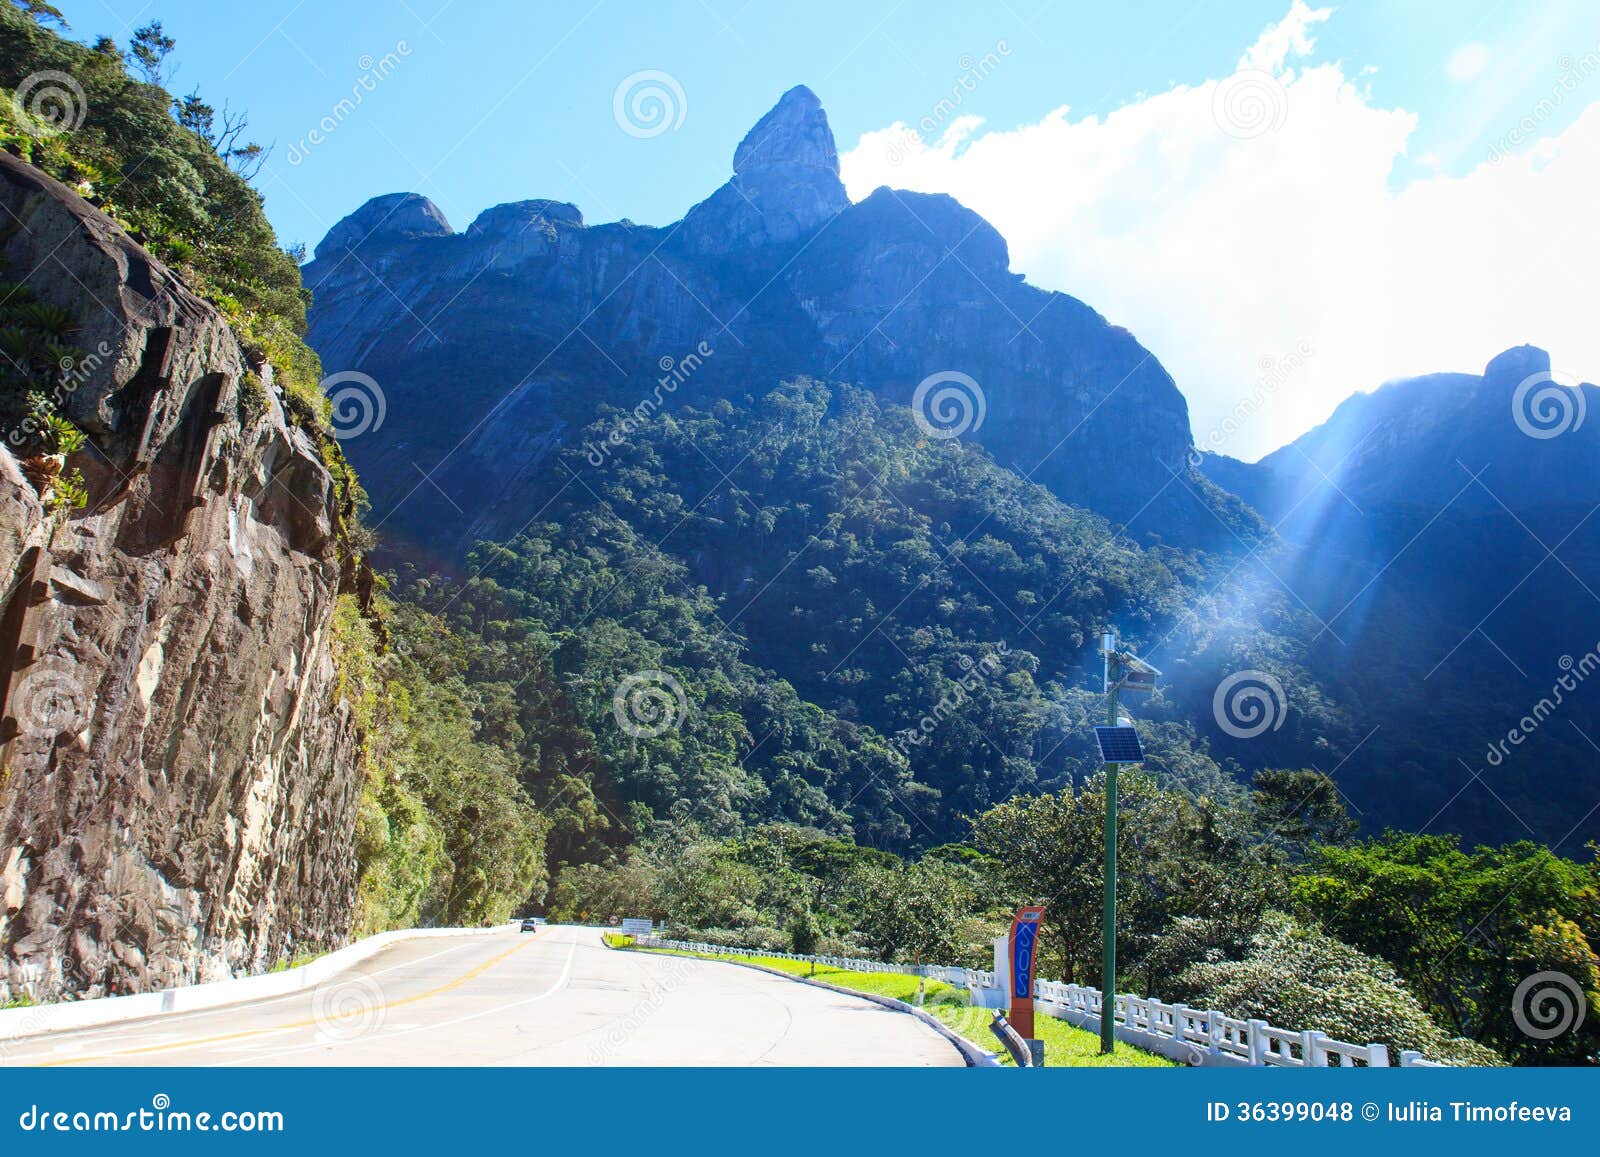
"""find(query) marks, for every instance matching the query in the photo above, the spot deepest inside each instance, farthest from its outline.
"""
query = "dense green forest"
(838, 696)
(896, 690)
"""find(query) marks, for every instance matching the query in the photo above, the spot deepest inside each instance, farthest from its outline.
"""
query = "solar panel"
(1119, 745)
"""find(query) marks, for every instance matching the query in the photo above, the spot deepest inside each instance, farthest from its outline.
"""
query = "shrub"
(1299, 978)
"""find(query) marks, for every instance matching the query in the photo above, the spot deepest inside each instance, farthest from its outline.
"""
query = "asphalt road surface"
(553, 997)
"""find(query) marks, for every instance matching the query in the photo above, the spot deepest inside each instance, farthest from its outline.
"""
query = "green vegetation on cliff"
(446, 833)
(78, 114)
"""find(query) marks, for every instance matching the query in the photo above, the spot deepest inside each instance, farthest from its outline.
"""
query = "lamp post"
(1108, 968)
(1119, 744)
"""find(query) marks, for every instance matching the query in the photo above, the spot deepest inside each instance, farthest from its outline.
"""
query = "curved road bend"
(554, 997)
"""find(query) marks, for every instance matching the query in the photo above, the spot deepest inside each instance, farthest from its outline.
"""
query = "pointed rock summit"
(794, 134)
(785, 181)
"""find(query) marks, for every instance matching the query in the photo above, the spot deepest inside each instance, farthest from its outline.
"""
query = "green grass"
(1065, 1046)
(893, 984)
(23, 1001)
(298, 960)
(616, 940)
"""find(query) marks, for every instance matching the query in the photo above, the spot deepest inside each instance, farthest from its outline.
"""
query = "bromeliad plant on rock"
(36, 373)
(60, 488)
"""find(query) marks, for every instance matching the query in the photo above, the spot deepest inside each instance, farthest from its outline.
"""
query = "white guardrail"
(35, 1020)
(1195, 1036)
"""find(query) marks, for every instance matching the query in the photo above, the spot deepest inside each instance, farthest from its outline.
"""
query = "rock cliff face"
(1416, 442)
(177, 779)
(1442, 531)
(493, 345)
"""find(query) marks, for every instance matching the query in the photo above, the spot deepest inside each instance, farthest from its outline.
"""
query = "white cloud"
(1291, 36)
(1233, 223)
(1467, 63)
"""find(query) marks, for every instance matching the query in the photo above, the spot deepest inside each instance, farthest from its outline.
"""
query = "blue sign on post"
(1024, 942)
(1022, 959)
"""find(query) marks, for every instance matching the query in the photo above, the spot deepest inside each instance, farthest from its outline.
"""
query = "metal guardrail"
(1196, 1036)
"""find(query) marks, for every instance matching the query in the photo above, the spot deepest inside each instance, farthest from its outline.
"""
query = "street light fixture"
(1119, 744)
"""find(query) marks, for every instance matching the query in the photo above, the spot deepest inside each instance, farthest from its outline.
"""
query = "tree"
(915, 912)
(1210, 879)
(1051, 850)
(42, 13)
(1466, 929)
(224, 132)
(148, 50)
(588, 892)
(804, 934)
(1300, 808)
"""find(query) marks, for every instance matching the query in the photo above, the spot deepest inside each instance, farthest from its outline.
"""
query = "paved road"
(555, 997)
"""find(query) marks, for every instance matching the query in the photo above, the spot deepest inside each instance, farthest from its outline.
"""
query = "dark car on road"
(531, 923)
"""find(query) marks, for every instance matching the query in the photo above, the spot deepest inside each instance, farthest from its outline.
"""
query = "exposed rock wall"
(178, 786)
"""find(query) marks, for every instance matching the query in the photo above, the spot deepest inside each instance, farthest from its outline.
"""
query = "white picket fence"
(1195, 1036)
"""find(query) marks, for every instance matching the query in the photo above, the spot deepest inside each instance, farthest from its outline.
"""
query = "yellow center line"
(465, 978)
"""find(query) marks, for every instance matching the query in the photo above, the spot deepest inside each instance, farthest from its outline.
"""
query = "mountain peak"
(785, 181)
(1515, 365)
(393, 216)
(794, 132)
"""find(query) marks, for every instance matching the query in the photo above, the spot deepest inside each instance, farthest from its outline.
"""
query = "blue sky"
(501, 100)
(495, 101)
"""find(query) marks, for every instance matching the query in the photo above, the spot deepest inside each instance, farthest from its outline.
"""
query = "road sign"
(632, 926)
(1024, 944)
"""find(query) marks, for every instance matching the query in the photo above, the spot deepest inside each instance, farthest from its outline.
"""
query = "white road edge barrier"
(1202, 1037)
(975, 1055)
(19, 1023)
